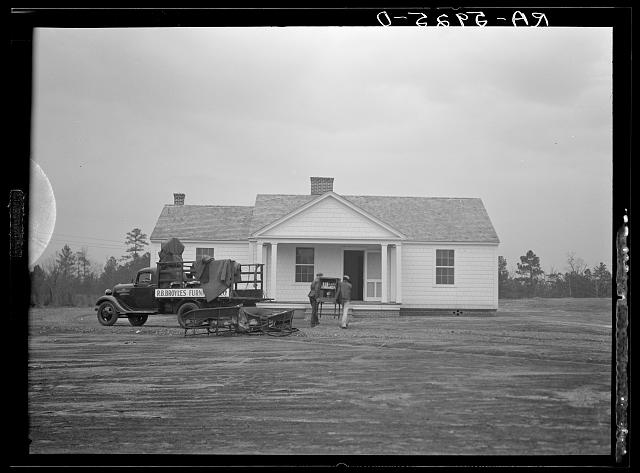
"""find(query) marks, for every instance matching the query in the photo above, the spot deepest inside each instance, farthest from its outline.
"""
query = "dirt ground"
(532, 379)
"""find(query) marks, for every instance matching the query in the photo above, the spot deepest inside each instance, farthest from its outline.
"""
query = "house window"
(200, 252)
(304, 264)
(444, 267)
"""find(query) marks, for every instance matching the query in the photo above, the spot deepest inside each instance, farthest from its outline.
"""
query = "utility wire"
(79, 240)
(90, 243)
(81, 236)
(84, 245)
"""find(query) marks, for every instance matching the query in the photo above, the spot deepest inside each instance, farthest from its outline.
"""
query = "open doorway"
(354, 268)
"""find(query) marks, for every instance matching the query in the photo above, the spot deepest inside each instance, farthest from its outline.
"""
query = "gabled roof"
(203, 222)
(271, 207)
(419, 218)
(432, 218)
(315, 200)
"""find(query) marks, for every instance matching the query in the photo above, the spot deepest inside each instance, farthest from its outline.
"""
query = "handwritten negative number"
(517, 19)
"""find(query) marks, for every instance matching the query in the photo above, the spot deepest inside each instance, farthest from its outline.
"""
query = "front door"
(354, 268)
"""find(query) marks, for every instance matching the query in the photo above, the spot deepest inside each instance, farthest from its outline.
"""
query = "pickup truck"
(171, 288)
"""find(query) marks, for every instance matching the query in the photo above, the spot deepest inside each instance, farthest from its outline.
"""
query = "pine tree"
(38, 280)
(136, 241)
(66, 261)
(529, 270)
(602, 280)
(108, 278)
(65, 265)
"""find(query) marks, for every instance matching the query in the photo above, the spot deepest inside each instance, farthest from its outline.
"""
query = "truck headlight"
(108, 292)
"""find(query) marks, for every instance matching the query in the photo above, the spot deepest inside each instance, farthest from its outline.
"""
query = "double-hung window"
(304, 264)
(444, 266)
(200, 252)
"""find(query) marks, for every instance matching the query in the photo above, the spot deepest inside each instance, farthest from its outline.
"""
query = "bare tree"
(52, 280)
(575, 264)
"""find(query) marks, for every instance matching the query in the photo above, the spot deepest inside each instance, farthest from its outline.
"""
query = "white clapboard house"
(404, 255)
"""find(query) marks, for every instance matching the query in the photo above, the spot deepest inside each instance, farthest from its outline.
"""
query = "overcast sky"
(520, 118)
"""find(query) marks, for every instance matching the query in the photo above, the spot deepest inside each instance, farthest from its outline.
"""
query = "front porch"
(358, 309)
(374, 268)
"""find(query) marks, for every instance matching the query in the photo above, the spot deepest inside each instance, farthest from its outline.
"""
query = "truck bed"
(180, 274)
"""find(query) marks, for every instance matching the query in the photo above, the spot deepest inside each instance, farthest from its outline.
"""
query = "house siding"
(154, 249)
(328, 260)
(476, 273)
(475, 277)
(329, 219)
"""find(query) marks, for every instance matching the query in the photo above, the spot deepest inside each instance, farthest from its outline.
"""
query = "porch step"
(359, 311)
(380, 313)
(446, 312)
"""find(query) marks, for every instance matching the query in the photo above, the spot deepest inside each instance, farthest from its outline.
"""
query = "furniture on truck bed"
(173, 274)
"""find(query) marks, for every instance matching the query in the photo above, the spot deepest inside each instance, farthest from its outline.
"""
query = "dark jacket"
(315, 291)
(343, 294)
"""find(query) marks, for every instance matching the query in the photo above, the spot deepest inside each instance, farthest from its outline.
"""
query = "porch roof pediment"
(329, 216)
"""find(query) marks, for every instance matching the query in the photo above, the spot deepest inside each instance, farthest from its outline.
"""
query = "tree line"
(530, 280)
(71, 279)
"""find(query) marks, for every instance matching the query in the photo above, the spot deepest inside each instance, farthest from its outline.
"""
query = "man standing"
(343, 296)
(314, 295)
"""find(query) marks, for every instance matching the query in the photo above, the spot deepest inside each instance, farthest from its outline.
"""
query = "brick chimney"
(178, 199)
(320, 185)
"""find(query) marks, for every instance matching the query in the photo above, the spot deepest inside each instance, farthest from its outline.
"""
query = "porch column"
(398, 273)
(258, 257)
(272, 272)
(383, 255)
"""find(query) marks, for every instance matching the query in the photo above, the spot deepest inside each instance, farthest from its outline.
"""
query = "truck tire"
(183, 309)
(107, 313)
(137, 320)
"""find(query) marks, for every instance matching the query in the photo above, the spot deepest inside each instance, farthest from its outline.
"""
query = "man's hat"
(319, 274)
(345, 277)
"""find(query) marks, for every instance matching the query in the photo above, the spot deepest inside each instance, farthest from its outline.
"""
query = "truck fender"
(121, 310)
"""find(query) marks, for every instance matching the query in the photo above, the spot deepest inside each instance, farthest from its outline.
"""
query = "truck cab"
(140, 294)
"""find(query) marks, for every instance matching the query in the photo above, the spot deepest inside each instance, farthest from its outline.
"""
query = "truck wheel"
(107, 313)
(137, 320)
(182, 311)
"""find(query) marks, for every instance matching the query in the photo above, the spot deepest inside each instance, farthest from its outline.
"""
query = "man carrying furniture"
(314, 295)
(343, 296)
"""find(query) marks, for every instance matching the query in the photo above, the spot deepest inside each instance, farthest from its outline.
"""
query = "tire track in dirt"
(427, 386)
